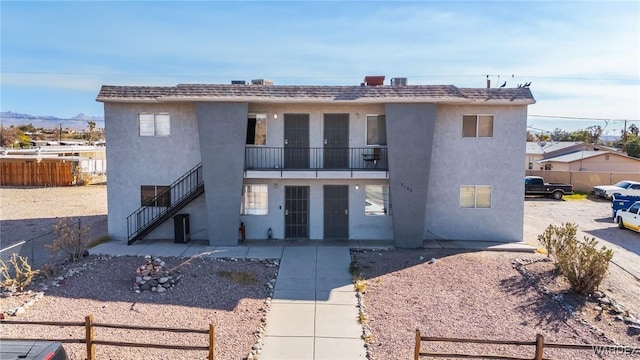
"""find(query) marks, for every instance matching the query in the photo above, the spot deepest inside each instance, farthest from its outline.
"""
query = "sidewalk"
(314, 312)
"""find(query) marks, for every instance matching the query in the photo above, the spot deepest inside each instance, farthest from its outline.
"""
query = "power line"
(576, 118)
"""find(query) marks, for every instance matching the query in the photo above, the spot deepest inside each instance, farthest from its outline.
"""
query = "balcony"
(316, 162)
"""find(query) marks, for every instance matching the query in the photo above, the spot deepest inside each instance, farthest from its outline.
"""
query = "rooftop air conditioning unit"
(399, 81)
(238, 82)
(261, 82)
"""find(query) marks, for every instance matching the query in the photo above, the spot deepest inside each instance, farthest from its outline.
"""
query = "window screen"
(376, 130)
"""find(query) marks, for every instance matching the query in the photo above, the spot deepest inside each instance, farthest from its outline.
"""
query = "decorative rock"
(598, 308)
(633, 330)
(629, 320)
(146, 278)
(619, 318)
(152, 283)
(597, 294)
(160, 289)
(605, 301)
(19, 311)
(432, 261)
(163, 280)
(421, 258)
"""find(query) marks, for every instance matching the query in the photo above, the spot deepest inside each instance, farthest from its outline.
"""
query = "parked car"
(629, 218)
(535, 185)
(32, 350)
(625, 187)
(619, 202)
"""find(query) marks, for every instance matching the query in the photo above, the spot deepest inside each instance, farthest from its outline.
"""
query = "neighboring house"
(369, 162)
(540, 150)
(52, 165)
(598, 160)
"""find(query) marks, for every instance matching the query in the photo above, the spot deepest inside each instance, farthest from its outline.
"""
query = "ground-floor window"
(377, 200)
(475, 196)
(255, 200)
(155, 195)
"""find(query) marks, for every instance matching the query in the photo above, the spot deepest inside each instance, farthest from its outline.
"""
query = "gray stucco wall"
(145, 160)
(222, 128)
(410, 134)
(495, 161)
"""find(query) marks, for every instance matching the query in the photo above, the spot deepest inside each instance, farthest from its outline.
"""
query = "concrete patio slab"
(238, 252)
(287, 348)
(291, 320)
(338, 321)
(339, 349)
(265, 252)
(116, 248)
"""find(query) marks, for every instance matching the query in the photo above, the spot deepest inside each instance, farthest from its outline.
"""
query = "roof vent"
(261, 82)
(238, 82)
(399, 81)
(374, 80)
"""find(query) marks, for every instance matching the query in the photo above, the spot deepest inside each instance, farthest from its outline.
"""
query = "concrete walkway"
(314, 312)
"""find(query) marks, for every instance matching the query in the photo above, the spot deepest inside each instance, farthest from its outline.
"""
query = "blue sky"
(582, 58)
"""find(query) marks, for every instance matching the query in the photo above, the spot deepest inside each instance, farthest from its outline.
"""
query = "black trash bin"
(181, 228)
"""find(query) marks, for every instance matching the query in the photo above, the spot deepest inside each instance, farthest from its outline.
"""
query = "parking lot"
(594, 219)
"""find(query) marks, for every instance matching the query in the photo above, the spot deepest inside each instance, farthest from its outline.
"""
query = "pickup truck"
(535, 185)
(629, 218)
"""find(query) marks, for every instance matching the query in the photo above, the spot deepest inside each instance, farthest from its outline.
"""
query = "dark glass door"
(336, 212)
(296, 212)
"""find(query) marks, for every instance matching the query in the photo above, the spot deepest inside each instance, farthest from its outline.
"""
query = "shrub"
(20, 276)
(582, 263)
(72, 238)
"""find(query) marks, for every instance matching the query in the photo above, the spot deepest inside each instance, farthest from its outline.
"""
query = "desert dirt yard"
(463, 294)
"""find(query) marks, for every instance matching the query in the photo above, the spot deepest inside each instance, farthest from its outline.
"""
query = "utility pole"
(60, 134)
(624, 133)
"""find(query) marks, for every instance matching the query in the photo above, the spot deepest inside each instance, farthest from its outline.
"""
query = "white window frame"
(475, 205)
(386, 210)
(477, 128)
(366, 133)
(255, 199)
(158, 121)
(258, 116)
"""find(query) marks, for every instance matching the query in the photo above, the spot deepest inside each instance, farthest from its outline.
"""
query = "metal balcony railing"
(295, 159)
(164, 205)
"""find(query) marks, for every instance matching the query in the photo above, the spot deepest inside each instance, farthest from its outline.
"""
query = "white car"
(629, 218)
(626, 187)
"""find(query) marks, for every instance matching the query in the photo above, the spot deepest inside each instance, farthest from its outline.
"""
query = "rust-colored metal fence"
(91, 341)
(36, 173)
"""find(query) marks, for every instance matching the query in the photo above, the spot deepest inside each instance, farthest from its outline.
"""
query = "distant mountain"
(78, 122)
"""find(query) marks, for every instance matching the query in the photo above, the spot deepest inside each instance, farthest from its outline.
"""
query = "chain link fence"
(35, 249)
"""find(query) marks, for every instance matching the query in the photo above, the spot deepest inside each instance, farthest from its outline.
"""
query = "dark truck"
(535, 185)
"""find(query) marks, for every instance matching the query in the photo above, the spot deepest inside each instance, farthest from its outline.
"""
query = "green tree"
(91, 125)
(633, 147)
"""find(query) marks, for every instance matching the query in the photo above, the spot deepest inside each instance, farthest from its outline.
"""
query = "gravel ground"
(201, 297)
(472, 295)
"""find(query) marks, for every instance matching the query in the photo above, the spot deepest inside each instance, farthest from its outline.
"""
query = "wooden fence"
(539, 346)
(34, 173)
(91, 342)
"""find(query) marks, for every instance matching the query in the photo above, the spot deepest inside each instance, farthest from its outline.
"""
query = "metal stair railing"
(178, 195)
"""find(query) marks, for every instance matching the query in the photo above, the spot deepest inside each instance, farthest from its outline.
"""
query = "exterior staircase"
(181, 192)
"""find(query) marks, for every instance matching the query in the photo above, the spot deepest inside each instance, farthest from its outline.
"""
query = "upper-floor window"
(474, 196)
(257, 129)
(154, 124)
(477, 126)
(376, 130)
(255, 200)
(155, 195)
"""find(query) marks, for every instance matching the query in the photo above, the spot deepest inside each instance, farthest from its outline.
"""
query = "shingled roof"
(305, 93)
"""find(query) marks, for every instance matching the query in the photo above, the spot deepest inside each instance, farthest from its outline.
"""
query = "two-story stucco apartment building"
(366, 162)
